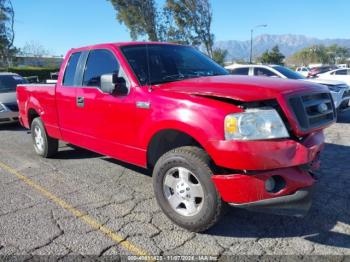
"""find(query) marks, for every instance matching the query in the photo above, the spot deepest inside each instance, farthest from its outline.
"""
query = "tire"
(195, 210)
(44, 145)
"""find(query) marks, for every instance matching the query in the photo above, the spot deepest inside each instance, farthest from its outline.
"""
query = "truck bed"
(38, 97)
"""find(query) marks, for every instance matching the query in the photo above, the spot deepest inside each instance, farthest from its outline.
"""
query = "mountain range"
(288, 45)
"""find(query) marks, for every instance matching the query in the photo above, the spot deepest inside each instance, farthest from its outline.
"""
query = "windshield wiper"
(179, 77)
(176, 76)
(173, 78)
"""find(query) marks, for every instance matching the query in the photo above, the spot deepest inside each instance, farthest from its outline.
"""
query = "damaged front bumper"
(285, 191)
(297, 204)
(286, 188)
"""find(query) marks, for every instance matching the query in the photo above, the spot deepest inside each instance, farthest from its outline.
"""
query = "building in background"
(38, 61)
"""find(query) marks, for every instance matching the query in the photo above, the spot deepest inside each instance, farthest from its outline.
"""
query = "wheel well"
(165, 141)
(32, 114)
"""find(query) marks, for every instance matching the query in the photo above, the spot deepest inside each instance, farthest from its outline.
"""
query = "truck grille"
(313, 110)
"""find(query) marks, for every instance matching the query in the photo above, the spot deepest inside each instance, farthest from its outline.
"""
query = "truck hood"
(8, 98)
(325, 81)
(240, 88)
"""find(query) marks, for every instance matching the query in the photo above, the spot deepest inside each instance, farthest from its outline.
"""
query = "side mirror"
(107, 85)
(112, 84)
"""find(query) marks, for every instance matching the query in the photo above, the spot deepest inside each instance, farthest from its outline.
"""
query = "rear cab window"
(71, 68)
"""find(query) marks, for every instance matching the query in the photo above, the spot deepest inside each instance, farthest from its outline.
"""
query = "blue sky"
(61, 25)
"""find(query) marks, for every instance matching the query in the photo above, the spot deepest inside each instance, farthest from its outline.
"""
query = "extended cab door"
(66, 97)
(106, 121)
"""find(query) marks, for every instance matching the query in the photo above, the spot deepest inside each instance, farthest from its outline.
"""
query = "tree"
(219, 55)
(181, 21)
(35, 52)
(170, 32)
(320, 54)
(273, 57)
(193, 19)
(34, 49)
(139, 16)
(7, 33)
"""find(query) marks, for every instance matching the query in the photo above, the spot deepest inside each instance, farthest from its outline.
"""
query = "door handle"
(80, 101)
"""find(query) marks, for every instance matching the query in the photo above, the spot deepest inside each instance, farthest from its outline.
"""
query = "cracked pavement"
(120, 197)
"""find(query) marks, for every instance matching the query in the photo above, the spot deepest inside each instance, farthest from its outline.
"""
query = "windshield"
(8, 83)
(167, 63)
(288, 73)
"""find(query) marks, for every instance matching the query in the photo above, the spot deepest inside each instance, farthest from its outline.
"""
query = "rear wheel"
(44, 145)
(184, 189)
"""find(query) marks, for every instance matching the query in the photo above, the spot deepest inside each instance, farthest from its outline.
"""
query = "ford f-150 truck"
(210, 138)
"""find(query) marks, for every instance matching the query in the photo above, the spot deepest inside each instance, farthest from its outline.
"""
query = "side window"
(341, 72)
(240, 71)
(348, 71)
(69, 74)
(259, 71)
(99, 62)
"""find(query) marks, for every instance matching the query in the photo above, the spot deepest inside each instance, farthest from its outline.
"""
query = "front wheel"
(44, 145)
(184, 189)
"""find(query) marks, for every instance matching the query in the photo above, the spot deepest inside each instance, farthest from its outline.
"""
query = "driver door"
(106, 120)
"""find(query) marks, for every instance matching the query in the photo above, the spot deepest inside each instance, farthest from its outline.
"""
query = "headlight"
(255, 124)
(3, 108)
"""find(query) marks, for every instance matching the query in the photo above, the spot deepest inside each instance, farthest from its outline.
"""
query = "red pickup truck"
(210, 138)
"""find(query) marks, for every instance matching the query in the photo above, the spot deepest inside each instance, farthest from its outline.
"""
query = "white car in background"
(341, 74)
(340, 91)
(303, 70)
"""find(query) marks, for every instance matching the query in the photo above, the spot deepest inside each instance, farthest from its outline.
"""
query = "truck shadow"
(328, 221)
(69, 151)
(134, 168)
(11, 127)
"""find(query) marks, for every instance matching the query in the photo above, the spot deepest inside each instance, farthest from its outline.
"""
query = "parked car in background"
(342, 65)
(209, 137)
(8, 101)
(314, 71)
(340, 90)
(303, 70)
(342, 74)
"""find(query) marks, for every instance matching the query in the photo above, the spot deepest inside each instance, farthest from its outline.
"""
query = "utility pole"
(251, 41)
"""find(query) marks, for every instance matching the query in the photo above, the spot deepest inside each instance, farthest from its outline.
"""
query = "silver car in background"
(8, 101)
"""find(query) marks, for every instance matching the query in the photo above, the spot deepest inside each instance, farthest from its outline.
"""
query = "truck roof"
(119, 44)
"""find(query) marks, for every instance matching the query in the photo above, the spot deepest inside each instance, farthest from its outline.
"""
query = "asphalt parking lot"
(81, 203)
